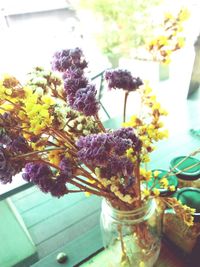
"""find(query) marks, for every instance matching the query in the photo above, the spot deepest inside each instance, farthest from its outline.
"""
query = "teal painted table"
(17, 248)
(17, 185)
(86, 251)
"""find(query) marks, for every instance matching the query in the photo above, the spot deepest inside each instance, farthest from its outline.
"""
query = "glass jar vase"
(133, 237)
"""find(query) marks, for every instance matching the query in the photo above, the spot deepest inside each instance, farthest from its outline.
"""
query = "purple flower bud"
(122, 79)
(7, 168)
(128, 134)
(117, 166)
(3, 161)
(65, 59)
(59, 189)
(34, 172)
(95, 149)
(41, 175)
(121, 145)
(85, 101)
(19, 144)
(4, 138)
(66, 169)
(72, 85)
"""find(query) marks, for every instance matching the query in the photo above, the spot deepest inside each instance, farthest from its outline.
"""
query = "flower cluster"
(170, 38)
(80, 94)
(122, 80)
(50, 131)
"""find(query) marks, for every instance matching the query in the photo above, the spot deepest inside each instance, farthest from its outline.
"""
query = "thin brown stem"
(137, 182)
(50, 164)
(121, 239)
(82, 171)
(101, 127)
(52, 144)
(64, 137)
(94, 192)
(38, 152)
(124, 257)
(75, 191)
(88, 183)
(125, 104)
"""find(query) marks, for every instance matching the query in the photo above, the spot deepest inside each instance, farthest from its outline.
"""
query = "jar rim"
(129, 215)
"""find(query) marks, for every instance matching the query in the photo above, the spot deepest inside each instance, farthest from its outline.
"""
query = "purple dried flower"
(73, 73)
(4, 138)
(7, 168)
(98, 148)
(128, 134)
(72, 85)
(34, 172)
(3, 160)
(95, 149)
(61, 61)
(78, 58)
(45, 183)
(125, 133)
(19, 144)
(66, 169)
(58, 189)
(121, 145)
(41, 175)
(64, 59)
(117, 166)
(7, 120)
(85, 101)
(122, 79)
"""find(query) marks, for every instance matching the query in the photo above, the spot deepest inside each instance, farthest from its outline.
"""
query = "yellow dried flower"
(145, 175)
(156, 192)
(146, 192)
(141, 264)
(164, 182)
(184, 14)
(145, 158)
(172, 188)
(87, 194)
(156, 173)
(54, 157)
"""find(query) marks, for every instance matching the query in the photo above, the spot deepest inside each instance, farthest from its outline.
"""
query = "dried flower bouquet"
(51, 132)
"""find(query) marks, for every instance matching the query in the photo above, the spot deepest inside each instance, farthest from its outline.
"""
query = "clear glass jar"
(131, 238)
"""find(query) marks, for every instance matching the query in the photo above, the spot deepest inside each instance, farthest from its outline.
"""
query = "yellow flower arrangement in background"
(169, 39)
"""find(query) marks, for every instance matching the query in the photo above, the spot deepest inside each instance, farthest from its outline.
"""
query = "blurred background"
(112, 33)
(31, 31)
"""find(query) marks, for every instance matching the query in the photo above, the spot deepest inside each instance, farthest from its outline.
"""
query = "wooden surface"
(167, 258)
(79, 253)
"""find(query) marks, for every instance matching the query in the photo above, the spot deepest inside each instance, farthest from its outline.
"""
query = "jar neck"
(129, 215)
